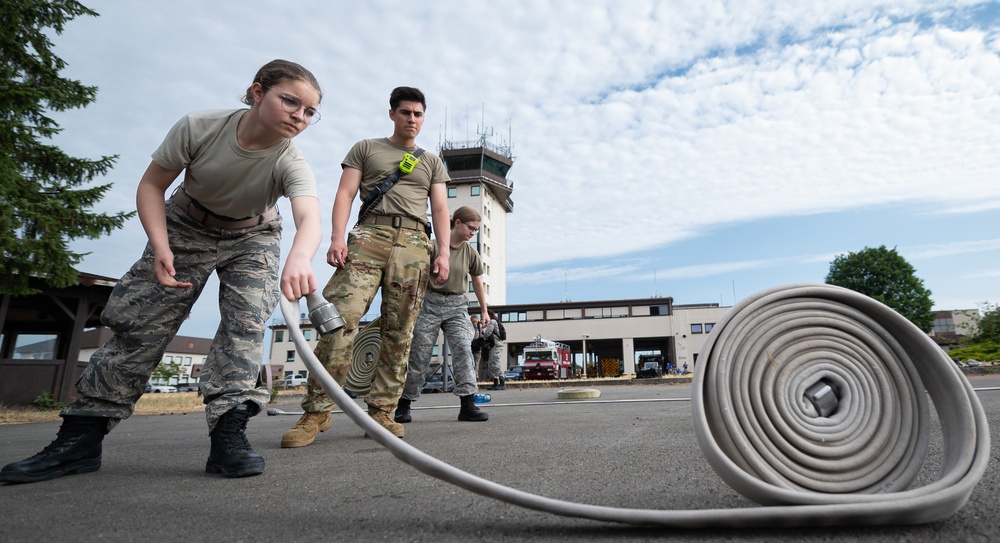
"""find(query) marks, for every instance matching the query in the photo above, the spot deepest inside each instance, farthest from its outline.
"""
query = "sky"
(702, 150)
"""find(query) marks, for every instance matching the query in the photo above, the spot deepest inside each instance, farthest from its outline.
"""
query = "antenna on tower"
(565, 288)
(482, 130)
(656, 293)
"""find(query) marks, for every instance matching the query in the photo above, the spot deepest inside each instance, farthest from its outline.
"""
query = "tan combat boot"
(385, 419)
(304, 431)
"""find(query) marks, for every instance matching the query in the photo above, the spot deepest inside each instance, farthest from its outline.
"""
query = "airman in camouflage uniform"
(222, 218)
(446, 307)
(493, 352)
(389, 250)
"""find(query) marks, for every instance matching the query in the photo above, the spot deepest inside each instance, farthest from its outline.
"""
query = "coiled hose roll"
(796, 406)
(367, 344)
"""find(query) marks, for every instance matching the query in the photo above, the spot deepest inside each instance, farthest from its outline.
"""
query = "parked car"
(160, 388)
(649, 367)
(515, 373)
(188, 387)
(435, 383)
(973, 363)
(293, 381)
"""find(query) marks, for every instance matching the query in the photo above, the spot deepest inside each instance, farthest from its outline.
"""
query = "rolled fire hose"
(808, 399)
(367, 344)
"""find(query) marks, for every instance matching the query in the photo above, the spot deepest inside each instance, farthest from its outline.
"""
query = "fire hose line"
(808, 399)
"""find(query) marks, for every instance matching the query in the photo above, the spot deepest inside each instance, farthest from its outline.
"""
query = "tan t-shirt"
(377, 158)
(226, 178)
(462, 262)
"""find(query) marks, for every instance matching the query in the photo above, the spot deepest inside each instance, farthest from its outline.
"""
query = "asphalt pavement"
(633, 447)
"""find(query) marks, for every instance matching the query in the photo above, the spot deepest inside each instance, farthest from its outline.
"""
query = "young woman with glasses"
(222, 218)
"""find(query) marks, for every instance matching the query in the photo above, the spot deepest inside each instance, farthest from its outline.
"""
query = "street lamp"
(585, 338)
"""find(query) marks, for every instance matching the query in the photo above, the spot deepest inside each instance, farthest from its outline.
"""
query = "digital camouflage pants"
(496, 356)
(397, 261)
(144, 317)
(448, 312)
(489, 362)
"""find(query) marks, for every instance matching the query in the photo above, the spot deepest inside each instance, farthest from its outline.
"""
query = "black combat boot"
(402, 415)
(470, 412)
(231, 454)
(77, 449)
(502, 385)
(495, 385)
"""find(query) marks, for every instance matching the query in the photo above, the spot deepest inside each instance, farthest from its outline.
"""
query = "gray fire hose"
(808, 399)
(367, 343)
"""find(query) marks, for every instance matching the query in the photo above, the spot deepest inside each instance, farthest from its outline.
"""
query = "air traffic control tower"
(478, 171)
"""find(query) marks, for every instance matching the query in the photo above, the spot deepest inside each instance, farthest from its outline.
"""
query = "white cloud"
(634, 124)
(951, 249)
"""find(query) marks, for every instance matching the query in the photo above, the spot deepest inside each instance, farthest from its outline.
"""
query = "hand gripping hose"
(808, 399)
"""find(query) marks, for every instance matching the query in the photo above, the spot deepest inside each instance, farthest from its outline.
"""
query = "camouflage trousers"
(397, 261)
(448, 312)
(495, 358)
(144, 317)
(489, 361)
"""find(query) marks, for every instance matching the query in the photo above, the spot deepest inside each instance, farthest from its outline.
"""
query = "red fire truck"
(544, 359)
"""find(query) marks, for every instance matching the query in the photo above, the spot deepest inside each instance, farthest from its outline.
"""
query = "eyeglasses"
(293, 104)
(469, 226)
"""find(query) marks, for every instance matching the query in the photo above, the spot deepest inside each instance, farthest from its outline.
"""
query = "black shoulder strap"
(375, 195)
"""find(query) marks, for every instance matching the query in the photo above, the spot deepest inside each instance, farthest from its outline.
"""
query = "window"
(452, 192)
(34, 346)
(279, 336)
(696, 328)
(168, 359)
(290, 356)
(514, 316)
(944, 325)
(709, 326)
(661, 310)
(434, 351)
(306, 334)
(474, 190)
(562, 314)
(471, 289)
(187, 360)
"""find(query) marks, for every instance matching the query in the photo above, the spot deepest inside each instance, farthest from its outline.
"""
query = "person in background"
(389, 250)
(493, 352)
(222, 219)
(477, 345)
(446, 307)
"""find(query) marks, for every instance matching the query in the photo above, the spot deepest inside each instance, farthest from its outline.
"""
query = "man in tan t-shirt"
(389, 250)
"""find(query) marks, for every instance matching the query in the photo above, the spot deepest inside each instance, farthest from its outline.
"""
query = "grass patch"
(148, 404)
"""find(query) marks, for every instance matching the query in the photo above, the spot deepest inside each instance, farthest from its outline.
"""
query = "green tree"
(163, 372)
(45, 200)
(988, 327)
(984, 343)
(886, 276)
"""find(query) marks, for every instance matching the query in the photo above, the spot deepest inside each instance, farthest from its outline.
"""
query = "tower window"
(474, 190)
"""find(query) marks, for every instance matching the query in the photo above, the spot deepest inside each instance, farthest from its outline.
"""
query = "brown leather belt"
(395, 221)
(198, 212)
